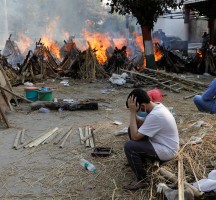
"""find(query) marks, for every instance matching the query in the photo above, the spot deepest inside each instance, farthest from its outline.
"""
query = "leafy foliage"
(146, 11)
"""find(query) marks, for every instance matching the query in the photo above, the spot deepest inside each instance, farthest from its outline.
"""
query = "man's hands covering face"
(132, 105)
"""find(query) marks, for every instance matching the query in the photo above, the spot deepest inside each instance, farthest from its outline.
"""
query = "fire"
(119, 43)
(48, 41)
(199, 53)
(139, 42)
(99, 41)
(24, 42)
(157, 53)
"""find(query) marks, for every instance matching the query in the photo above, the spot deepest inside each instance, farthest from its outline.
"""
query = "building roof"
(204, 7)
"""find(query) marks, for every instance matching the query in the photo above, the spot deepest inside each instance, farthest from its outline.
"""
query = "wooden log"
(170, 176)
(39, 140)
(65, 105)
(65, 138)
(15, 94)
(16, 141)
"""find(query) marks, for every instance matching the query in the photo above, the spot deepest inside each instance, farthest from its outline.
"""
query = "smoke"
(34, 18)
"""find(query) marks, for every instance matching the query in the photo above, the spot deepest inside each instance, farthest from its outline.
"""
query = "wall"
(174, 27)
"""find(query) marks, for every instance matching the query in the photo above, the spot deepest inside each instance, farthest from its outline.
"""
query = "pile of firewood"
(82, 65)
(117, 61)
(203, 61)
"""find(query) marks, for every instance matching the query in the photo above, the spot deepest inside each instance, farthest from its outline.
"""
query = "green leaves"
(146, 11)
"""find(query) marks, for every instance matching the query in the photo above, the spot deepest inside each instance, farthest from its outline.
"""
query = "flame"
(120, 42)
(48, 41)
(24, 42)
(199, 53)
(99, 42)
(139, 40)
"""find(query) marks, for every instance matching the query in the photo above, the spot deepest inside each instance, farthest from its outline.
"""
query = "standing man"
(155, 138)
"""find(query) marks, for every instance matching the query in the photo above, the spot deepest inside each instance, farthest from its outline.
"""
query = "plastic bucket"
(45, 95)
(31, 93)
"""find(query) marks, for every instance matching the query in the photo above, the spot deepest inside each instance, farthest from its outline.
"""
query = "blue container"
(31, 93)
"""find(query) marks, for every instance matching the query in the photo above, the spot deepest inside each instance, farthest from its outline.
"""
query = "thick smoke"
(33, 17)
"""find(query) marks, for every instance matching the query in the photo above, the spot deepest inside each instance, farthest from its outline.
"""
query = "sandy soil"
(50, 172)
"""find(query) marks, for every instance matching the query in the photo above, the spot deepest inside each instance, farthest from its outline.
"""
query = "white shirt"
(160, 126)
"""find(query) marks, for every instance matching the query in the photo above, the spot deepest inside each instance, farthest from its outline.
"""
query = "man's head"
(142, 97)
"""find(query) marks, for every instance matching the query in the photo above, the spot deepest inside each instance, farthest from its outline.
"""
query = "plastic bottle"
(89, 166)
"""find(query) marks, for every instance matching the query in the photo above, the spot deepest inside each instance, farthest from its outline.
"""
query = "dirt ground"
(50, 172)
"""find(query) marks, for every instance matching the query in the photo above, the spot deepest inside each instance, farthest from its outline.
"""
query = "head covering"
(155, 95)
(141, 96)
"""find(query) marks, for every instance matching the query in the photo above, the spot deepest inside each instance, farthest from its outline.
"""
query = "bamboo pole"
(81, 135)
(170, 176)
(91, 139)
(180, 179)
(16, 141)
(22, 136)
(86, 135)
(65, 138)
(15, 94)
(39, 140)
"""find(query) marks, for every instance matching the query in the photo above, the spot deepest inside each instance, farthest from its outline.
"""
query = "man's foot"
(135, 185)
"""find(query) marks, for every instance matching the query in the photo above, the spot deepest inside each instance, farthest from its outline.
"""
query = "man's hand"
(132, 105)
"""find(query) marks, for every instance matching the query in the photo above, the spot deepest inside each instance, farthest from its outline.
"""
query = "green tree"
(146, 13)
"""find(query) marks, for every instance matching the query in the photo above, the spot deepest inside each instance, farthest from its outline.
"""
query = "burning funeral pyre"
(95, 56)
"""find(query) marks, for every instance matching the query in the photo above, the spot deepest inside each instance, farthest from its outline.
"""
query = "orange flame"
(139, 42)
(199, 53)
(100, 42)
(48, 41)
(24, 42)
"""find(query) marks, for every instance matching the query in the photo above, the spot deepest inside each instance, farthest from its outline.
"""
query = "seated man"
(155, 138)
(207, 101)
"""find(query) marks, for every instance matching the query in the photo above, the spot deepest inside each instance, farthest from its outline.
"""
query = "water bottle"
(89, 166)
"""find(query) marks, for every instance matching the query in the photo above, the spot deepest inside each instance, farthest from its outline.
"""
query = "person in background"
(155, 138)
(207, 101)
(155, 96)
